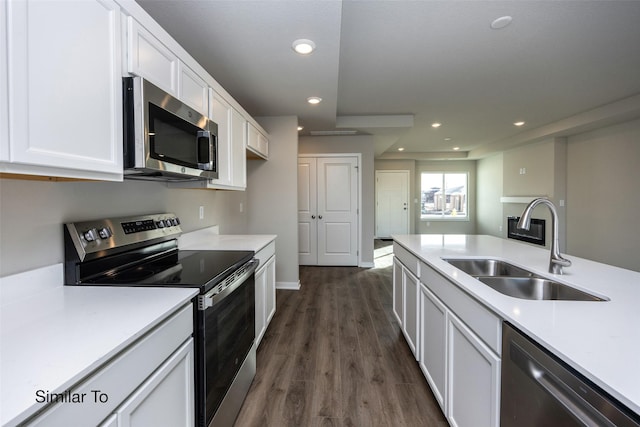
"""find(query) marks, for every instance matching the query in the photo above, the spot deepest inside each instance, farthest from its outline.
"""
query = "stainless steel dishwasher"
(540, 390)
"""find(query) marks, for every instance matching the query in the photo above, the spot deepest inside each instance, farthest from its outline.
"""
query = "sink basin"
(488, 267)
(517, 282)
(536, 288)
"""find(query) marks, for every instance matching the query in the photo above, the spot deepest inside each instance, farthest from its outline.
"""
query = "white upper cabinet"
(193, 90)
(147, 57)
(61, 111)
(257, 143)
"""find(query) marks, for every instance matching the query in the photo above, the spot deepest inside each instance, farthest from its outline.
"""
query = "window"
(449, 204)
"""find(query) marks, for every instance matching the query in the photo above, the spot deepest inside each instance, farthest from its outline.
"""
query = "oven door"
(228, 334)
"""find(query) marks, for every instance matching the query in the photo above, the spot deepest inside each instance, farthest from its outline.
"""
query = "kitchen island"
(599, 339)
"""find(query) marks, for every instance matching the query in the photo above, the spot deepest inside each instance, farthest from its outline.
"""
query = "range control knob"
(105, 233)
(160, 224)
(90, 235)
(176, 220)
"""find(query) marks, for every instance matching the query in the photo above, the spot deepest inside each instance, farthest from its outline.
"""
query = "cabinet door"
(410, 321)
(433, 343)
(238, 150)
(257, 143)
(167, 397)
(149, 58)
(194, 91)
(261, 285)
(64, 89)
(221, 114)
(398, 295)
(473, 379)
(270, 290)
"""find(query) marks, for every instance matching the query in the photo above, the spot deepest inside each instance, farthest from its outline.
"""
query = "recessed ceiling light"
(501, 22)
(314, 100)
(303, 46)
(518, 124)
(300, 127)
(456, 148)
(436, 125)
(401, 149)
(447, 139)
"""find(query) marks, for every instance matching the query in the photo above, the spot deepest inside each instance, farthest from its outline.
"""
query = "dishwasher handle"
(581, 410)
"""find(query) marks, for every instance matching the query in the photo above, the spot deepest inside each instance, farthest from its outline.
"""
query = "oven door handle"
(213, 297)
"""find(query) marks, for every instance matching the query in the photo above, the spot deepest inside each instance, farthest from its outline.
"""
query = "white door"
(337, 211)
(328, 210)
(392, 203)
(307, 212)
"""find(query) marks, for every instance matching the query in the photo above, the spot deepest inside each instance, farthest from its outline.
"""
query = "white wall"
(32, 213)
(272, 192)
(603, 199)
(362, 144)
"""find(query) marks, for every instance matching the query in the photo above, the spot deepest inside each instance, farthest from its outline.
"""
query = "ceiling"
(392, 68)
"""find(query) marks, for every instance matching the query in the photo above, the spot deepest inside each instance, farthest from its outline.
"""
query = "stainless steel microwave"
(165, 139)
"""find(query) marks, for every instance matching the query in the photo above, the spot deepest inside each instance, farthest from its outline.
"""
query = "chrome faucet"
(556, 262)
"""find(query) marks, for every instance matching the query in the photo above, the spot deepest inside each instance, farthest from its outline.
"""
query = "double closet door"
(328, 210)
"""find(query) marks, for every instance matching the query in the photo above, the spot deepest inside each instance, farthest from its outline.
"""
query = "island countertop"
(600, 339)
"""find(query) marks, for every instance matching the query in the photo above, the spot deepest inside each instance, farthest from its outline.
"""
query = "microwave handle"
(204, 153)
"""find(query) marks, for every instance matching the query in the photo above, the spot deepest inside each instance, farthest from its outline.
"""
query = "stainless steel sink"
(518, 282)
(536, 288)
(488, 267)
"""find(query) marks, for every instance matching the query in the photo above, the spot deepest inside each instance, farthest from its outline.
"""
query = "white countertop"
(599, 339)
(52, 336)
(209, 239)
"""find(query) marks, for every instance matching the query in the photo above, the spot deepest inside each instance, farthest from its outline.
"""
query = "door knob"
(319, 216)
(313, 217)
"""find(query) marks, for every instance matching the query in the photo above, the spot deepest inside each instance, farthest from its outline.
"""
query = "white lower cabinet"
(410, 287)
(473, 378)
(432, 352)
(265, 278)
(151, 383)
(456, 341)
(398, 299)
(166, 398)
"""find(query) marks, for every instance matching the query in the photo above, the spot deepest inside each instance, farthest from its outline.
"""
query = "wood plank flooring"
(334, 355)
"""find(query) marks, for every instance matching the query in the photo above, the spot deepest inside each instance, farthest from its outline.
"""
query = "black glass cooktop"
(193, 269)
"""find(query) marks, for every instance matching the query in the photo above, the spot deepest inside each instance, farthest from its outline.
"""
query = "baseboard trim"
(290, 286)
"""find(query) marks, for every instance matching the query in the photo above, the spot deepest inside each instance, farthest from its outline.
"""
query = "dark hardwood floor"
(334, 355)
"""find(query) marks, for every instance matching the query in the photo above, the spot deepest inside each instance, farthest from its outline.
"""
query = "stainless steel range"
(143, 251)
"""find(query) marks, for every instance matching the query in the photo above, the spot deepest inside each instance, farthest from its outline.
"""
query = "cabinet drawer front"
(110, 385)
(482, 321)
(410, 261)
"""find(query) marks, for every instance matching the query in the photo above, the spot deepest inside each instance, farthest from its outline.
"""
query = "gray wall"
(272, 191)
(597, 175)
(603, 200)
(352, 144)
(490, 218)
(32, 213)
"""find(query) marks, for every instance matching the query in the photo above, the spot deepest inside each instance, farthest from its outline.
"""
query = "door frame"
(359, 184)
(404, 171)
